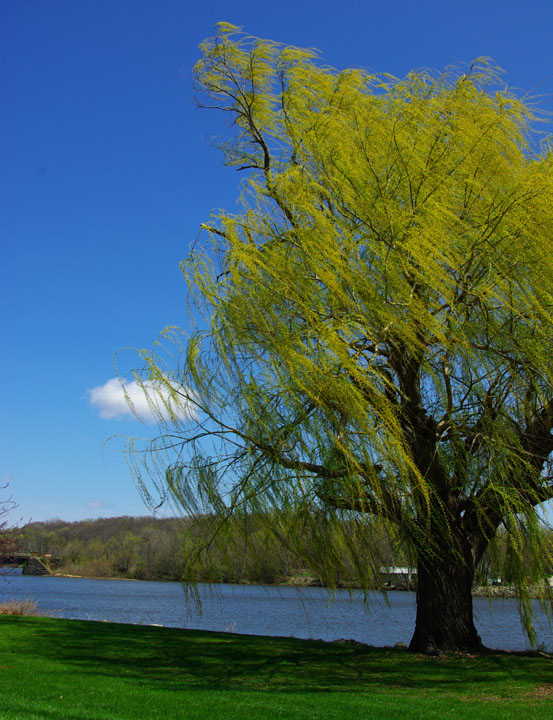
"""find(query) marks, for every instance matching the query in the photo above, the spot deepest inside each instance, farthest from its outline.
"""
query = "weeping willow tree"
(376, 332)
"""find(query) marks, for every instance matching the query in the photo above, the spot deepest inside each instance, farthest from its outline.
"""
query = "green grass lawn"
(76, 670)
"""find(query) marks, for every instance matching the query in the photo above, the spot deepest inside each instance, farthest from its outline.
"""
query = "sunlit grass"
(77, 670)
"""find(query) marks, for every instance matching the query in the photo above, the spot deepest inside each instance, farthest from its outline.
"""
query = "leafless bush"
(19, 607)
(8, 539)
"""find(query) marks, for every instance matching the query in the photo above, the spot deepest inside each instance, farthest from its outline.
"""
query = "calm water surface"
(260, 610)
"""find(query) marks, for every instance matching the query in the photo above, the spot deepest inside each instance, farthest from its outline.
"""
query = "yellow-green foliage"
(378, 317)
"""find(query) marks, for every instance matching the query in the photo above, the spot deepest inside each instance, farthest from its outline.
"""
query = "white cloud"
(98, 504)
(119, 398)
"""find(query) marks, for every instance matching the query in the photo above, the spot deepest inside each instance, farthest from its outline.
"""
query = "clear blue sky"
(108, 173)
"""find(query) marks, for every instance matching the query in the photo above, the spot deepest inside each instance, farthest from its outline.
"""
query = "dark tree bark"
(444, 600)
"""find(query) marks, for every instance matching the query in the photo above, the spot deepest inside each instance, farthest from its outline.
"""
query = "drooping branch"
(359, 495)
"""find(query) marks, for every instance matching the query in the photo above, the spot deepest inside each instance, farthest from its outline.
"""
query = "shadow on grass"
(173, 658)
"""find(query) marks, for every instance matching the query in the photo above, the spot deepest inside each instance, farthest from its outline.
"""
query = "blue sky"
(108, 172)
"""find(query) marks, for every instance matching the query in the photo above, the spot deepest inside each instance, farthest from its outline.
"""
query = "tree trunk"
(444, 602)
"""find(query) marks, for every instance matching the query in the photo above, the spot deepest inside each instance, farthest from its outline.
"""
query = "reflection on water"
(261, 610)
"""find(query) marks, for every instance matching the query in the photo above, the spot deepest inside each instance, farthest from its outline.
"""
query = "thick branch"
(419, 427)
(485, 512)
(388, 505)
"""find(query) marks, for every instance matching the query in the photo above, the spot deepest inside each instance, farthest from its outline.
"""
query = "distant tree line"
(148, 548)
(144, 548)
(247, 551)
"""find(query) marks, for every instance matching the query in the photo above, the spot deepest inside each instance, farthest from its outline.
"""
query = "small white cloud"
(98, 504)
(119, 398)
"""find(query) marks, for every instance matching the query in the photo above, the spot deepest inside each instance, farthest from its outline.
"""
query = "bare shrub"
(19, 607)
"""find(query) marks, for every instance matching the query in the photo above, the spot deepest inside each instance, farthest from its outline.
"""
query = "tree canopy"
(377, 321)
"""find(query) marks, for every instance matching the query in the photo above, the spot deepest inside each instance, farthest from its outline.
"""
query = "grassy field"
(75, 670)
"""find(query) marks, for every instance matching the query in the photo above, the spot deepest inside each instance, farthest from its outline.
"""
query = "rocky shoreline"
(501, 591)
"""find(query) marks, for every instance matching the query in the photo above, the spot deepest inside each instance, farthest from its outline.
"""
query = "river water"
(261, 610)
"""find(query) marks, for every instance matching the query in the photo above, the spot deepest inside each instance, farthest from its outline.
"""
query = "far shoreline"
(491, 591)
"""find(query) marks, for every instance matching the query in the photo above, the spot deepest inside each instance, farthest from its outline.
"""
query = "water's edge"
(276, 611)
(505, 591)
